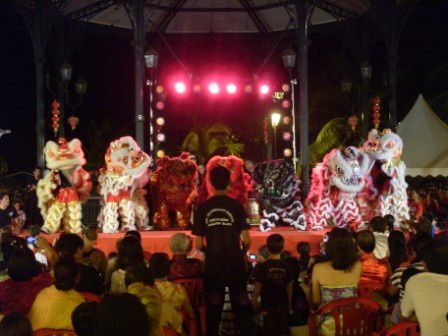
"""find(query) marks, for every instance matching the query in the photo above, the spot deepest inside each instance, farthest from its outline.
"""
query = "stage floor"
(158, 241)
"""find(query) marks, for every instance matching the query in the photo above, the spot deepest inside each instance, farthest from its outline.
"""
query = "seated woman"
(130, 254)
(173, 294)
(338, 276)
(183, 267)
(26, 280)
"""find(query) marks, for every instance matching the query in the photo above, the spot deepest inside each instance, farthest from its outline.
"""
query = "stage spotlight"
(264, 89)
(231, 88)
(160, 121)
(286, 104)
(180, 87)
(160, 105)
(160, 137)
(159, 89)
(286, 120)
(160, 153)
(286, 136)
(213, 88)
(287, 152)
(197, 88)
(285, 87)
(248, 88)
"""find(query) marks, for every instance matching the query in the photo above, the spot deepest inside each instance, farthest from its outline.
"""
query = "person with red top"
(27, 279)
(183, 267)
(374, 271)
(416, 206)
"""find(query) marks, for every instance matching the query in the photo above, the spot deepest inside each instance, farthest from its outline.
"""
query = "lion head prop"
(64, 155)
(175, 188)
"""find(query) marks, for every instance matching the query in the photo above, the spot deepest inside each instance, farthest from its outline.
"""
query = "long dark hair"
(397, 249)
(130, 253)
(341, 249)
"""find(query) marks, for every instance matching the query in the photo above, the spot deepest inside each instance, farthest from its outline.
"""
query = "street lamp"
(346, 85)
(66, 72)
(366, 74)
(151, 58)
(151, 61)
(81, 86)
(275, 121)
(289, 58)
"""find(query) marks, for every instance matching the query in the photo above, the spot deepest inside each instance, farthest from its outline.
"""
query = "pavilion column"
(139, 40)
(393, 67)
(40, 108)
(302, 25)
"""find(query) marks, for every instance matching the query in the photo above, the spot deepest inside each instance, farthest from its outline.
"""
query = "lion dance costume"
(175, 190)
(122, 187)
(387, 174)
(240, 181)
(278, 190)
(62, 190)
(335, 184)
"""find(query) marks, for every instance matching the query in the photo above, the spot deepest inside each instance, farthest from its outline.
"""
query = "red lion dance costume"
(122, 185)
(335, 184)
(62, 190)
(240, 182)
(174, 186)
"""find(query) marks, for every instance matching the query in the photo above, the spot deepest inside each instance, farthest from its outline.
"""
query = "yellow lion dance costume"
(61, 192)
(122, 186)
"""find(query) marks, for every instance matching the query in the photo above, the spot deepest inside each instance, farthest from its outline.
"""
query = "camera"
(253, 257)
(31, 240)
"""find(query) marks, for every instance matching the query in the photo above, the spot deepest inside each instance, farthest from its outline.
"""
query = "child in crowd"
(378, 226)
(273, 282)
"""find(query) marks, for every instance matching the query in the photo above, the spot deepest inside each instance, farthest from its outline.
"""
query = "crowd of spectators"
(73, 285)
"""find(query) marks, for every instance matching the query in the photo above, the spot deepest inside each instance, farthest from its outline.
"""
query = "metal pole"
(139, 36)
(302, 23)
(40, 116)
(293, 112)
(393, 63)
(364, 108)
(274, 141)
(152, 153)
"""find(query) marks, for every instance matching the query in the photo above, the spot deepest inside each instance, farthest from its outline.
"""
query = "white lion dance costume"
(387, 174)
(62, 190)
(335, 184)
(122, 187)
(278, 190)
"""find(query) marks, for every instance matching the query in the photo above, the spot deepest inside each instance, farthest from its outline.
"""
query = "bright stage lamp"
(213, 88)
(264, 89)
(286, 120)
(286, 104)
(275, 119)
(287, 152)
(248, 88)
(286, 136)
(160, 137)
(160, 153)
(160, 105)
(159, 89)
(231, 88)
(180, 87)
(160, 121)
(197, 88)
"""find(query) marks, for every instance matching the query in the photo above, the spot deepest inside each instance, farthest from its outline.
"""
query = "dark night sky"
(105, 59)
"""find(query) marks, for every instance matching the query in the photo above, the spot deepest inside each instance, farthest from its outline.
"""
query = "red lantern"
(266, 130)
(353, 121)
(55, 112)
(73, 122)
(376, 108)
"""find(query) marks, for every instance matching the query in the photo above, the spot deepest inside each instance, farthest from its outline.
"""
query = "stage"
(158, 241)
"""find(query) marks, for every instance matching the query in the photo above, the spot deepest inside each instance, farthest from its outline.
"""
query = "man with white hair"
(183, 267)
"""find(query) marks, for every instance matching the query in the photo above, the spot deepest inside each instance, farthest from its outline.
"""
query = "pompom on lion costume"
(61, 192)
(122, 184)
(175, 190)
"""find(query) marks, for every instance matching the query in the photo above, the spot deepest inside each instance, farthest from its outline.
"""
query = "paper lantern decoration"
(376, 108)
(353, 121)
(73, 122)
(266, 130)
(55, 118)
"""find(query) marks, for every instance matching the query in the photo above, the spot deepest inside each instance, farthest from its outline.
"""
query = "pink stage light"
(180, 87)
(264, 89)
(160, 105)
(231, 88)
(213, 88)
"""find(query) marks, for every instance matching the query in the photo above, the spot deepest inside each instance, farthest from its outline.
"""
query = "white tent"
(425, 141)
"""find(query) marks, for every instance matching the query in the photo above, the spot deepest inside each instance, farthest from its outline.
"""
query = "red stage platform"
(158, 241)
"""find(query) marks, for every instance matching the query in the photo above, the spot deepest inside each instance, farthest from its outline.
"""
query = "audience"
(379, 225)
(130, 254)
(121, 315)
(92, 256)
(15, 324)
(426, 294)
(54, 305)
(183, 267)
(375, 272)
(397, 249)
(26, 279)
(83, 318)
(273, 283)
(136, 234)
(173, 294)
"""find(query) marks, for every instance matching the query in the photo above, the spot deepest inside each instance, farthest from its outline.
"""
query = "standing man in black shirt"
(221, 220)
(8, 213)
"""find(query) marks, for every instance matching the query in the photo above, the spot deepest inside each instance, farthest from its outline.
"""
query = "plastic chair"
(352, 316)
(54, 332)
(90, 297)
(366, 289)
(194, 289)
(402, 329)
